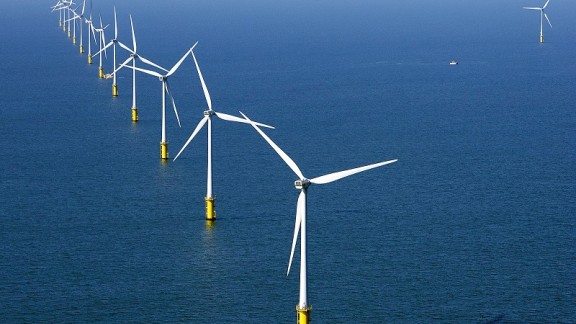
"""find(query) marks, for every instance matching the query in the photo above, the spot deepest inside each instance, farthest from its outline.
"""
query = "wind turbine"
(61, 6)
(74, 20)
(113, 43)
(58, 6)
(133, 57)
(68, 10)
(542, 16)
(102, 40)
(90, 33)
(165, 89)
(209, 199)
(303, 308)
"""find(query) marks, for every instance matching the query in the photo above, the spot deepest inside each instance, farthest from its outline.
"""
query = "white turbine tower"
(209, 199)
(133, 57)
(102, 40)
(112, 43)
(74, 19)
(68, 10)
(303, 308)
(165, 90)
(542, 16)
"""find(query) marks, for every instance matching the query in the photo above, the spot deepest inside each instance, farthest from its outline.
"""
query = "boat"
(453, 62)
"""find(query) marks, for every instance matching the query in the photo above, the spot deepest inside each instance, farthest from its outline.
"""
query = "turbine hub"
(209, 113)
(302, 184)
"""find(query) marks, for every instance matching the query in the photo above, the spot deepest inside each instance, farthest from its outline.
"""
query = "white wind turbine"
(303, 308)
(165, 90)
(542, 16)
(133, 57)
(74, 19)
(209, 199)
(102, 40)
(62, 7)
(68, 10)
(91, 32)
(112, 43)
(58, 6)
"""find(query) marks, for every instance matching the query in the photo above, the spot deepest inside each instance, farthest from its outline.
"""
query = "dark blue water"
(475, 223)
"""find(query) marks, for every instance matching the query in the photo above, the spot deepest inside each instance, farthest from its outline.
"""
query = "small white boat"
(453, 62)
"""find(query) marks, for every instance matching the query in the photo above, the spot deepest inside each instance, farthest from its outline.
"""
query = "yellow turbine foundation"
(69, 33)
(210, 212)
(114, 90)
(81, 49)
(101, 73)
(541, 38)
(134, 114)
(164, 150)
(89, 59)
(303, 315)
(74, 40)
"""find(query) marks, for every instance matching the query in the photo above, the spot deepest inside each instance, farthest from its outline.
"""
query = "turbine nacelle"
(209, 113)
(302, 184)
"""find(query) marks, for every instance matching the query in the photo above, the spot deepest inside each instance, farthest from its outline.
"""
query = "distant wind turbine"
(209, 199)
(90, 33)
(542, 16)
(302, 184)
(165, 90)
(133, 57)
(102, 40)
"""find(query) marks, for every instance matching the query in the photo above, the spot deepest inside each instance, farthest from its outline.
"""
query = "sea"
(475, 223)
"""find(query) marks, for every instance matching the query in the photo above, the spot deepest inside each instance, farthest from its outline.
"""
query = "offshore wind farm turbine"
(90, 33)
(165, 90)
(302, 184)
(209, 199)
(542, 16)
(102, 40)
(133, 57)
(113, 43)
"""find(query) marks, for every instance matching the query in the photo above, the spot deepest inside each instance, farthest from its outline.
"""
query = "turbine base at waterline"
(101, 72)
(210, 211)
(81, 49)
(164, 150)
(89, 59)
(134, 114)
(114, 90)
(541, 38)
(303, 314)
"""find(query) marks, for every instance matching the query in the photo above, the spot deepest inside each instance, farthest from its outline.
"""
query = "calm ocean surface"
(474, 224)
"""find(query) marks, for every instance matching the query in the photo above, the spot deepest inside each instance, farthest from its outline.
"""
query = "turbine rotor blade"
(126, 47)
(297, 222)
(153, 73)
(172, 99)
(133, 35)
(532, 8)
(342, 174)
(238, 120)
(196, 130)
(115, 25)
(151, 63)
(546, 4)
(206, 93)
(291, 164)
(177, 65)
(549, 23)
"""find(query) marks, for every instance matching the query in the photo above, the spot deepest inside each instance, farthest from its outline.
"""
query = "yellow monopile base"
(89, 59)
(64, 27)
(81, 49)
(210, 212)
(114, 90)
(69, 33)
(101, 73)
(541, 38)
(74, 40)
(134, 114)
(164, 150)
(303, 315)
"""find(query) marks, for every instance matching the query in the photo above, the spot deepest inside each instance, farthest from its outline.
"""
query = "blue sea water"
(475, 223)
